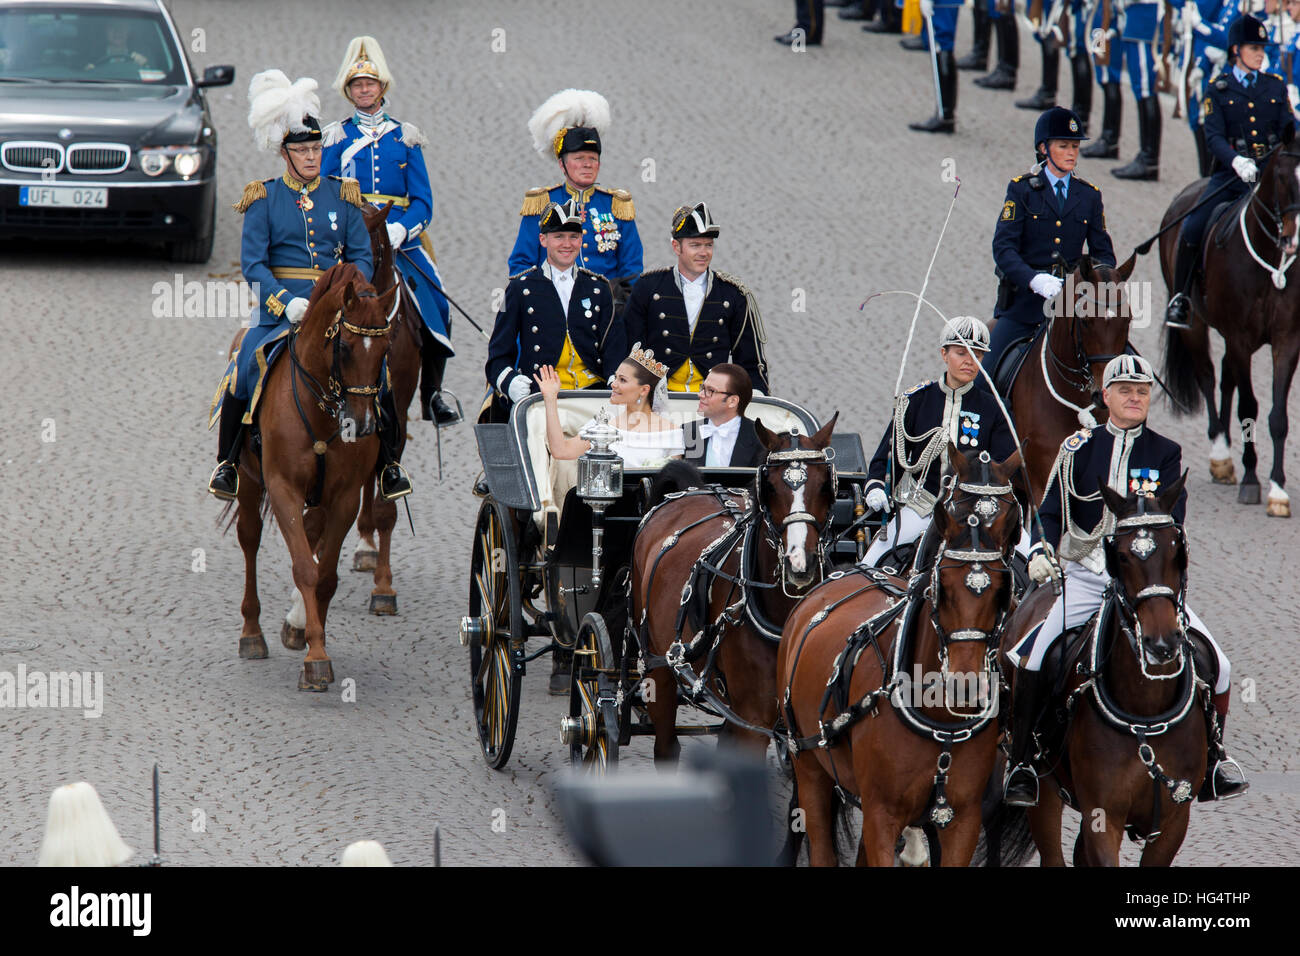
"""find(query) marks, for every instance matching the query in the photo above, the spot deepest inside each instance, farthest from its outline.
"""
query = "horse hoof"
(294, 638)
(365, 560)
(383, 604)
(1279, 508)
(252, 648)
(316, 676)
(1248, 495)
(1223, 472)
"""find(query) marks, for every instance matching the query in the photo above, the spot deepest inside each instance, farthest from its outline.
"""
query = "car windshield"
(86, 45)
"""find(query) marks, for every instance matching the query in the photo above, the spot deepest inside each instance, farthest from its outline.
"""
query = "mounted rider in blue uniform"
(386, 157)
(295, 228)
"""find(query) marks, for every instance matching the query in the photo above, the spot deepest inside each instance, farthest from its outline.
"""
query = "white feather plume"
(276, 106)
(79, 832)
(567, 108)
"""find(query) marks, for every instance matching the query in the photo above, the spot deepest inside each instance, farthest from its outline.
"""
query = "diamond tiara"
(646, 359)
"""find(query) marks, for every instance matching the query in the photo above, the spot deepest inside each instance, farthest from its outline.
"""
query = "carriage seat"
(555, 478)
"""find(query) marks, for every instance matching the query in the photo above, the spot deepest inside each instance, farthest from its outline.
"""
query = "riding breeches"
(1141, 61)
(1080, 598)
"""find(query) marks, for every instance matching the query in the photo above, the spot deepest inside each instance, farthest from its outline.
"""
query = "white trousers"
(909, 528)
(1080, 598)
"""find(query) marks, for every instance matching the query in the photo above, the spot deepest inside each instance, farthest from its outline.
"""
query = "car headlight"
(154, 162)
(187, 160)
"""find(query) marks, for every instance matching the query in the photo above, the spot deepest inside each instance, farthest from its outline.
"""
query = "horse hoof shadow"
(365, 560)
(294, 638)
(316, 676)
(252, 648)
(383, 604)
(1223, 472)
(1248, 495)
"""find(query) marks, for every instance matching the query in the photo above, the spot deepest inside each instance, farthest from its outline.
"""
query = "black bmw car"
(104, 129)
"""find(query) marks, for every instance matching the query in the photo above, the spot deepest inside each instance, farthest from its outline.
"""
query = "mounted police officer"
(1047, 219)
(1131, 458)
(386, 157)
(556, 314)
(1245, 112)
(697, 317)
(927, 417)
(295, 228)
(568, 126)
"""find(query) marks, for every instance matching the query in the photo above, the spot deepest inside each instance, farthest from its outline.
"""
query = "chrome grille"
(28, 156)
(98, 158)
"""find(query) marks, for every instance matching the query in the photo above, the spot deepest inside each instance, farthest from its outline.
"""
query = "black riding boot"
(1146, 165)
(1081, 72)
(224, 482)
(1027, 702)
(859, 10)
(393, 481)
(1106, 146)
(978, 57)
(944, 121)
(433, 364)
(1045, 97)
(1003, 76)
(891, 19)
(1204, 158)
(1179, 310)
(1223, 776)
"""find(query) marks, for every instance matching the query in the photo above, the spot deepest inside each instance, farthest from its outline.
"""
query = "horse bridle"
(330, 398)
(794, 464)
(1079, 376)
(1143, 547)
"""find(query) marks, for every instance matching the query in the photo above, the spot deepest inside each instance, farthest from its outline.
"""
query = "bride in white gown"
(647, 439)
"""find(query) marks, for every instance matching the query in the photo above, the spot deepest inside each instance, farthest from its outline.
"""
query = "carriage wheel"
(591, 729)
(494, 631)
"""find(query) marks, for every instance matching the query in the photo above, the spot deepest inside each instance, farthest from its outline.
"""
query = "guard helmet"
(1058, 123)
(694, 222)
(966, 331)
(560, 217)
(1127, 368)
(1246, 29)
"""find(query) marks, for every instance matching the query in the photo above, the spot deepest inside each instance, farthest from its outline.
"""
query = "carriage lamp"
(600, 481)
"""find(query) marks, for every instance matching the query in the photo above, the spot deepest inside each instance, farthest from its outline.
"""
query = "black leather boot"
(1026, 704)
(978, 57)
(1081, 73)
(1223, 775)
(393, 480)
(1179, 310)
(1045, 97)
(891, 19)
(1106, 146)
(1146, 165)
(1003, 76)
(916, 43)
(1204, 159)
(433, 364)
(944, 121)
(224, 482)
(858, 10)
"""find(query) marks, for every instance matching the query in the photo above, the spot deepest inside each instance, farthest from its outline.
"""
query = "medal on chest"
(334, 220)
(1144, 481)
(970, 429)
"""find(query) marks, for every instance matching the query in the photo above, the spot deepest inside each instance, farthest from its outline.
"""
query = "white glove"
(1216, 55)
(1191, 14)
(519, 388)
(927, 8)
(1041, 568)
(1245, 168)
(1045, 285)
(396, 234)
(1293, 94)
(877, 500)
(295, 310)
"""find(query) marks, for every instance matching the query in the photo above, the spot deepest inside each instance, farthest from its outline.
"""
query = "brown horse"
(784, 526)
(1132, 752)
(922, 665)
(378, 515)
(1240, 298)
(1065, 364)
(325, 386)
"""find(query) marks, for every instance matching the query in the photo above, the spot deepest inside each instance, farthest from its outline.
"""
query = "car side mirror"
(218, 76)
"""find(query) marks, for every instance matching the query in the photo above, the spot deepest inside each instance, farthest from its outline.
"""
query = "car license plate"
(82, 197)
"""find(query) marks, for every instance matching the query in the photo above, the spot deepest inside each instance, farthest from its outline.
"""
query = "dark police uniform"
(533, 330)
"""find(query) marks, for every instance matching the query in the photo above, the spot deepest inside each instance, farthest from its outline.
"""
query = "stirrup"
(388, 495)
(1179, 297)
(1213, 775)
(221, 492)
(458, 412)
(1006, 787)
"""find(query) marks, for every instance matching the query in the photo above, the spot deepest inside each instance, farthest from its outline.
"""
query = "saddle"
(1012, 358)
(1219, 225)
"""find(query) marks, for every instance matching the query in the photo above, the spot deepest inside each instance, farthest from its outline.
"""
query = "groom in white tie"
(725, 438)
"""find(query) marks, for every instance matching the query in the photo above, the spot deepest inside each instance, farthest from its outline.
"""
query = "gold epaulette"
(918, 386)
(535, 200)
(621, 204)
(594, 275)
(252, 193)
(1277, 76)
(350, 191)
(1018, 178)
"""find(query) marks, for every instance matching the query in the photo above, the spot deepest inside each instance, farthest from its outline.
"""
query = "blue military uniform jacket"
(981, 426)
(728, 329)
(1032, 229)
(531, 326)
(1241, 122)
(611, 246)
(1146, 463)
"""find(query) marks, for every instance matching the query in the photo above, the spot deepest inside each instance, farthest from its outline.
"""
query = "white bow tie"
(708, 429)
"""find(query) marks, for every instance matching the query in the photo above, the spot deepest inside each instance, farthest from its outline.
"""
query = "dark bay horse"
(327, 384)
(378, 515)
(1064, 366)
(1132, 752)
(896, 694)
(783, 524)
(1249, 294)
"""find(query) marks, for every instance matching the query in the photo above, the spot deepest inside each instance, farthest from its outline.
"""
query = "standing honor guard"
(1047, 218)
(386, 157)
(696, 317)
(295, 228)
(1139, 32)
(1003, 15)
(568, 126)
(941, 20)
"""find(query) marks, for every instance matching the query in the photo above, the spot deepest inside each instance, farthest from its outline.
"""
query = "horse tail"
(1180, 374)
(677, 475)
(842, 841)
(789, 853)
(229, 513)
(1007, 840)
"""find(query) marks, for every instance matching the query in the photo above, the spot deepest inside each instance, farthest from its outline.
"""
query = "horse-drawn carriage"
(552, 556)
